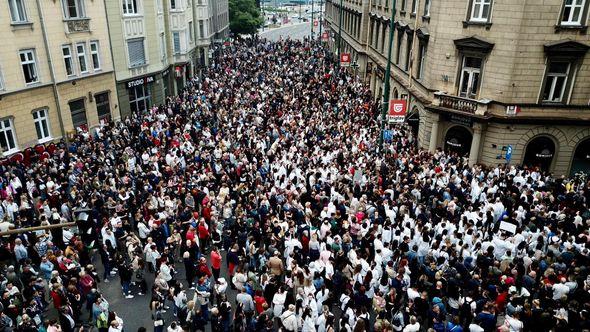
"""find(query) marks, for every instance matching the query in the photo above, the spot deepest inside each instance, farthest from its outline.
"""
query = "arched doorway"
(413, 119)
(581, 161)
(539, 153)
(395, 94)
(458, 139)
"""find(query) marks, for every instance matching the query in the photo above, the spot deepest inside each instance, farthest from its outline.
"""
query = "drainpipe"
(106, 14)
(52, 73)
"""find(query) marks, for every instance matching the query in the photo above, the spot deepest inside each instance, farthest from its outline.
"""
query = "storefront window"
(139, 98)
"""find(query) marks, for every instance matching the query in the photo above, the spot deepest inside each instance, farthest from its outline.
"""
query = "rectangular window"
(470, 77)
(78, 111)
(573, 11)
(41, 121)
(136, 52)
(68, 61)
(29, 65)
(176, 40)
(190, 31)
(403, 6)
(95, 55)
(383, 37)
(130, 7)
(201, 29)
(81, 53)
(409, 53)
(414, 7)
(421, 60)
(427, 4)
(7, 136)
(73, 8)
(17, 11)
(480, 10)
(139, 98)
(556, 81)
(173, 4)
(103, 106)
(163, 47)
(398, 52)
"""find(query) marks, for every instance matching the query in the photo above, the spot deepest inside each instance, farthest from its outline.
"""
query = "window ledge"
(426, 18)
(581, 28)
(412, 15)
(402, 12)
(21, 25)
(9, 152)
(487, 25)
(45, 140)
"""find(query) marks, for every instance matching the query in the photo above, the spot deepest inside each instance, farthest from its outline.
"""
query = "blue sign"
(509, 153)
(388, 135)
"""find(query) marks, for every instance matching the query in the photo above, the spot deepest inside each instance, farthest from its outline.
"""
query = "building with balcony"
(56, 72)
(481, 76)
(157, 47)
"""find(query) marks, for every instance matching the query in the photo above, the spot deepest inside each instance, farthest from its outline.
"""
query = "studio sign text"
(140, 81)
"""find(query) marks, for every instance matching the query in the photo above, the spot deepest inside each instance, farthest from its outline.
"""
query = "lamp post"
(321, 16)
(340, 34)
(387, 86)
(312, 22)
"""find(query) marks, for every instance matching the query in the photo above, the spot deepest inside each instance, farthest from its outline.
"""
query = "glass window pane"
(558, 67)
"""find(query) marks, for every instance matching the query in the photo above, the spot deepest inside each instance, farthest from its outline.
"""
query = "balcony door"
(470, 77)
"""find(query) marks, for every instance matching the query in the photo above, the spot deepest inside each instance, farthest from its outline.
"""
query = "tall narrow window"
(163, 54)
(427, 4)
(190, 32)
(173, 4)
(41, 121)
(94, 53)
(409, 52)
(421, 60)
(136, 52)
(176, 40)
(78, 111)
(73, 8)
(201, 29)
(103, 107)
(17, 11)
(470, 77)
(480, 10)
(383, 37)
(29, 66)
(402, 7)
(68, 61)
(573, 11)
(7, 136)
(398, 51)
(414, 6)
(130, 7)
(556, 81)
(81, 53)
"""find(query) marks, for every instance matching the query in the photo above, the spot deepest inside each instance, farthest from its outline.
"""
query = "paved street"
(294, 31)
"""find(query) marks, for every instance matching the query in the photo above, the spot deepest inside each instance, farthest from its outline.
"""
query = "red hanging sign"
(397, 111)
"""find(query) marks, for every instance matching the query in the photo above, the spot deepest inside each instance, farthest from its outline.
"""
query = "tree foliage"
(244, 16)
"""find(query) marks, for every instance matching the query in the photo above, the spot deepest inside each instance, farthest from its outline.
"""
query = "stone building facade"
(158, 46)
(56, 72)
(481, 77)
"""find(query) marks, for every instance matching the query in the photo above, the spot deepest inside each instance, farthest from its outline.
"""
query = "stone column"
(475, 144)
(434, 133)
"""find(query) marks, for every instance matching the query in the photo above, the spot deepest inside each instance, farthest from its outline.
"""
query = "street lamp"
(387, 86)
(340, 34)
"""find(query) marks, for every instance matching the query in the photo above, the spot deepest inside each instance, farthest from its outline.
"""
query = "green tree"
(244, 17)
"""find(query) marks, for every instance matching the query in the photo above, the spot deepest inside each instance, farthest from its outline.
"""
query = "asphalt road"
(294, 31)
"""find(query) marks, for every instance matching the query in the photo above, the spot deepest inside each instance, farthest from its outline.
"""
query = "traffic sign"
(397, 111)
(509, 153)
(388, 135)
(345, 59)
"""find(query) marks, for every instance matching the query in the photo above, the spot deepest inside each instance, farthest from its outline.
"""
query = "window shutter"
(136, 52)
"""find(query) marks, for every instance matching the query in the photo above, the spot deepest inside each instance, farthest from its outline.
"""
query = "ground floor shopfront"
(562, 148)
(141, 93)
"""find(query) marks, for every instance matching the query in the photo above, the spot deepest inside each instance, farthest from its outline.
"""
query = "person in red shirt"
(259, 302)
(215, 262)
(203, 231)
(203, 269)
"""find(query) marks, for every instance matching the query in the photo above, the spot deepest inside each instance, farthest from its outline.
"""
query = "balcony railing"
(78, 25)
(462, 104)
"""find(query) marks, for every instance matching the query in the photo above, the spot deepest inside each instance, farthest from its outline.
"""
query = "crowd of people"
(258, 200)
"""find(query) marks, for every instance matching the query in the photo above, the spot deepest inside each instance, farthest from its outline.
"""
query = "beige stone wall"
(84, 89)
(19, 107)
